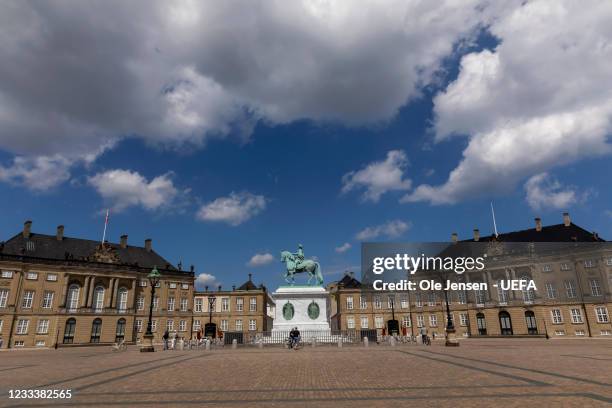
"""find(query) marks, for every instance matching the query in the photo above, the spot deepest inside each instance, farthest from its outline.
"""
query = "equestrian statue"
(296, 263)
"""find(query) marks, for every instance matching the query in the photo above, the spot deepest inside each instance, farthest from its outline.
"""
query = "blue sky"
(240, 166)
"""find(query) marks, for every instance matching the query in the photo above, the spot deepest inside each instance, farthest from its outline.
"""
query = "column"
(115, 289)
(109, 295)
(85, 291)
(64, 290)
(513, 273)
(92, 287)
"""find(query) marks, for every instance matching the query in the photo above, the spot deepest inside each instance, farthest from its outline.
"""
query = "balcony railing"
(95, 310)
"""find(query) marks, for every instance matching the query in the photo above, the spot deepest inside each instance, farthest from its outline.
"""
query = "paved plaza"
(480, 373)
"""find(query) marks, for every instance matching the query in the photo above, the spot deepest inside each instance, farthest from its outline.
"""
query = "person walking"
(423, 335)
(165, 338)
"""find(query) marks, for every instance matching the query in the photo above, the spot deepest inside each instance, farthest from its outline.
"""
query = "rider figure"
(299, 256)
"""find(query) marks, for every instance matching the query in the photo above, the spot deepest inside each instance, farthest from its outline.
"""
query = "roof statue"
(295, 262)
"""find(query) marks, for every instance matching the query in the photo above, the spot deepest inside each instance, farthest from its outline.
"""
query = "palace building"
(62, 291)
(571, 268)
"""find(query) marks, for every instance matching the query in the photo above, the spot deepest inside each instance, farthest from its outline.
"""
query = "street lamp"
(147, 345)
(451, 339)
(210, 328)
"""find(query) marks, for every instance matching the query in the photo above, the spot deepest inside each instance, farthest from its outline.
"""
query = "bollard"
(339, 343)
(207, 345)
(392, 341)
(313, 342)
(366, 342)
(234, 343)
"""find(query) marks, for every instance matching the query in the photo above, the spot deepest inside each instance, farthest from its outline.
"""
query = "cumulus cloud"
(205, 279)
(93, 74)
(125, 188)
(37, 173)
(542, 191)
(343, 248)
(390, 229)
(260, 260)
(234, 209)
(380, 177)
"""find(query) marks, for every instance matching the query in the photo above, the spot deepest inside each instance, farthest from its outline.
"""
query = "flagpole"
(494, 224)
(105, 224)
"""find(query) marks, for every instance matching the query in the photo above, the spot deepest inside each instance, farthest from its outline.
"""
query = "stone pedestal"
(147, 343)
(303, 306)
(451, 339)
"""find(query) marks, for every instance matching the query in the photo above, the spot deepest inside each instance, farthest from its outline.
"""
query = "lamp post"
(210, 328)
(451, 339)
(147, 344)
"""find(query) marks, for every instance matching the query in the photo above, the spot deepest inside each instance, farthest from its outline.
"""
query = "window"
(377, 302)
(363, 322)
(43, 326)
(363, 303)
(224, 325)
(185, 286)
(171, 304)
(528, 294)
(463, 319)
(3, 297)
(182, 325)
(378, 322)
(390, 302)
(433, 320)
(551, 292)
(559, 332)
(417, 300)
(557, 318)
(480, 296)
(47, 301)
(570, 289)
(19, 343)
(96, 330)
(1, 324)
(172, 285)
(404, 302)
(153, 325)
(142, 283)
(609, 261)
(73, 297)
(140, 302)
(461, 297)
(406, 321)
(225, 305)
(40, 343)
(28, 298)
(122, 300)
(595, 287)
(22, 326)
(155, 303)
(602, 314)
(349, 302)
(52, 277)
(350, 322)
(420, 321)
(252, 324)
(98, 302)
(238, 325)
(197, 325)
(546, 268)
(239, 304)
(138, 326)
(7, 274)
(69, 331)
(579, 332)
(502, 294)
(431, 299)
(589, 263)
(184, 304)
(31, 276)
(170, 325)
(253, 304)
(120, 332)
(198, 304)
(576, 315)
(606, 332)
(565, 267)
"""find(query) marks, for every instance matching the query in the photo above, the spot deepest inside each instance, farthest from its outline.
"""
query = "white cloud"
(260, 259)
(37, 173)
(390, 229)
(343, 248)
(125, 188)
(542, 191)
(379, 177)
(93, 74)
(205, 279)
(540, 99)
(234, 210)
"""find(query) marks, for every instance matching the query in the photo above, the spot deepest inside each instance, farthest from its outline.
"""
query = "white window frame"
(139, 325)
(546, 268)
(32, 275)
(223, 325)
(350, 322)
(565, 266)
(377, 302)
(182, 325)
(379, 322)
(253, 304)
(601, 312)
(6, 274)
(28, 299)
(595, 287)
(47, 301)
(363, 302)
(364, 322)
(551, 291)
(252, 324)
(197, 324)
(463, 319)
(122, 299)
(238, 325)
(140, 300)
(43, 326)
(98, 298)
(22, 326)
(225, 305)
(404, 302)
(433, 320)
(197, 305)
(349, 302)
(239, 304)
(171, 303)
(576, 315)
(556, 316)
(52, 277)
(170, 325)
(570, 289)
(420, 320)
(406, 321)
(589, 263)
(3, 297)
(184, 304)
(461, 297)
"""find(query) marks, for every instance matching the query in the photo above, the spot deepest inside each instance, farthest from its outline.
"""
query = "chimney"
(476, 234)
(123, 241)
(206, 288)
(566, 219)
(219, 288)
(538, 222)
(233, 288)
(454, 237)
(60, 233)
(27, 229)
(250, 276)
(148, 244)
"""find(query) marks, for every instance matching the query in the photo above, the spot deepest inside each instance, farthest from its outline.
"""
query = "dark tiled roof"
(248, 285)
(551, 233)
(48, 247)
(349, 282)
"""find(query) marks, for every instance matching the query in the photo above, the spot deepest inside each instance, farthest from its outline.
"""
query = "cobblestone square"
(480, 373)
